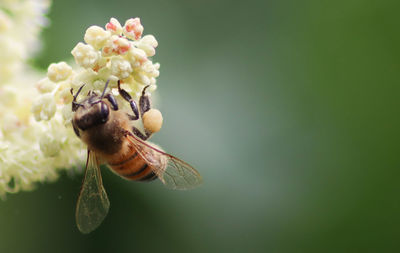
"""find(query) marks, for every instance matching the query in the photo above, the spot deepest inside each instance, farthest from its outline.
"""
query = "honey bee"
(111, 139)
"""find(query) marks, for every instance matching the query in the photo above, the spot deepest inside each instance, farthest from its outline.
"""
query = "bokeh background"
(289, 110)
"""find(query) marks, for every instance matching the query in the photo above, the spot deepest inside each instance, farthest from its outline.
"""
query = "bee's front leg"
(132, 103)
(112, 100)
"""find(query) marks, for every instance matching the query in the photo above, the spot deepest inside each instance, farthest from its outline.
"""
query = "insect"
(111, 139)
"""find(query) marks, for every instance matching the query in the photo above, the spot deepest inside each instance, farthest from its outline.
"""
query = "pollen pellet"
(152, 120)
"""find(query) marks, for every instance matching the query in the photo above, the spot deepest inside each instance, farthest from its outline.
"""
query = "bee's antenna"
(105, 87)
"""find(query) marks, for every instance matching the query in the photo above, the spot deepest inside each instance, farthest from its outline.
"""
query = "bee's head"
(90, 112)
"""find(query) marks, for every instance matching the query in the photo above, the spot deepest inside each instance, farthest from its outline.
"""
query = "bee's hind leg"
(139, 134)
(144, 101)
(144, 105)
(151, 118)
(132, 103)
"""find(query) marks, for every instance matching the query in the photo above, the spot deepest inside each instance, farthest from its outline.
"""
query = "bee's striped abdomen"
(133, 168)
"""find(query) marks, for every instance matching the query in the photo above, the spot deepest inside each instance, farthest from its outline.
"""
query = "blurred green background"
(289, 110)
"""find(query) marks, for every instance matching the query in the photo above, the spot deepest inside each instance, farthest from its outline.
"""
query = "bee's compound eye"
(104, 111)
(152, 120)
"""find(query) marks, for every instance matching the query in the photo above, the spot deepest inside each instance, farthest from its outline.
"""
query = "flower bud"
(142, 78)
(148, 44)
(49, 145)
(44, 107)
(85, 55)
(133, 29)
(116, 46)
(65, 96)
(114, 26)
(96, 36)
(59, 71)
(151, 69)
(45, 85)
(136, 57)
(120, 67)
(66, 113)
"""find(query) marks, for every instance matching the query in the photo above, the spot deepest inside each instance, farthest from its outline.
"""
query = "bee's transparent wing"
(173, 172)
(93, 204)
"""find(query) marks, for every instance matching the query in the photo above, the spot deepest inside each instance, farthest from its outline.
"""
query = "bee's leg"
(75, 105)
(112, 100)
(144, 102)
(139, 134)
(132, 102)
(151, 118)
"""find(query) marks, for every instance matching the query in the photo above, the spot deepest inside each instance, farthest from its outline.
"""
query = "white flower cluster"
(116, 53)
(110, 54)
(36, 137)
(20, 24)
(29, 150)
